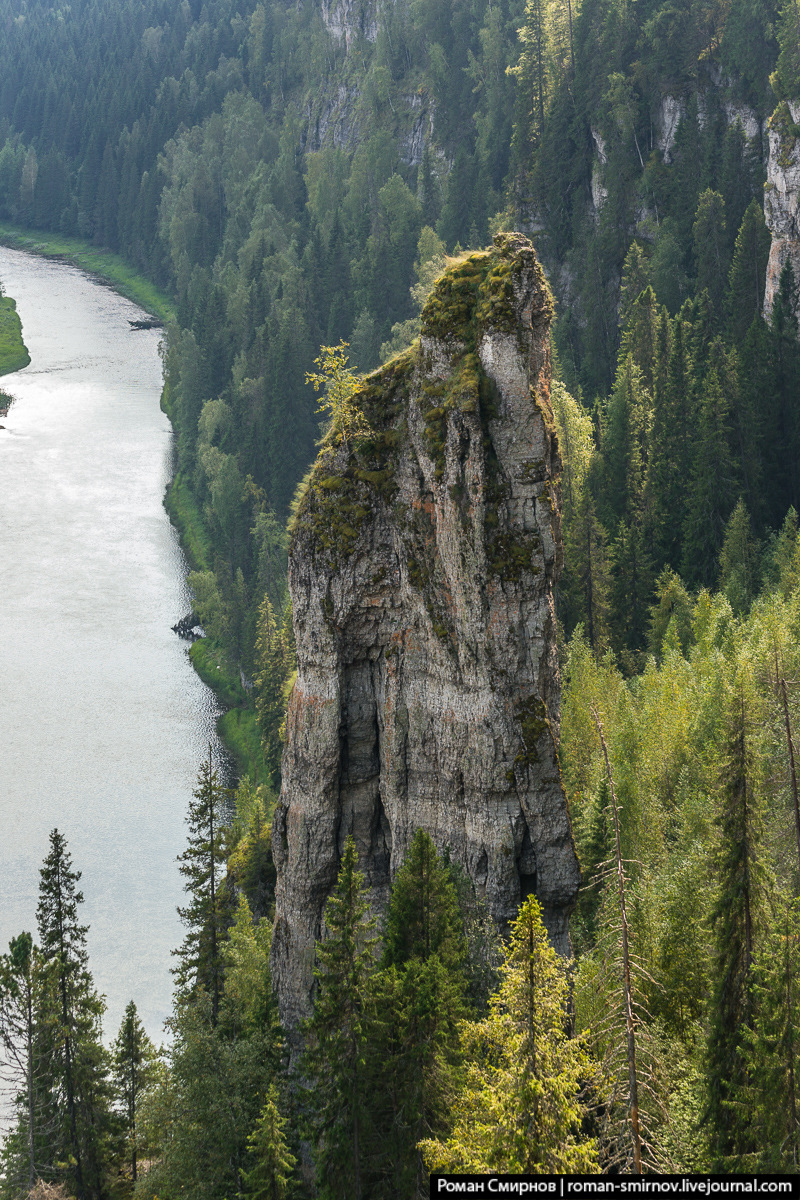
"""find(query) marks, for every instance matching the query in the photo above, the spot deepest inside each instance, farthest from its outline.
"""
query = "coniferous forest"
(297, 175)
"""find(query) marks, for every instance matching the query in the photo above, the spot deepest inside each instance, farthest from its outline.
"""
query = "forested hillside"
(295, 176)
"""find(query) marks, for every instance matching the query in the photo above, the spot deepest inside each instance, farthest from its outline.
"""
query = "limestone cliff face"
(782, 198)
(422, 567)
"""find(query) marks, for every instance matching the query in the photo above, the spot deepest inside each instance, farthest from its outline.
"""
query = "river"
(102, 719)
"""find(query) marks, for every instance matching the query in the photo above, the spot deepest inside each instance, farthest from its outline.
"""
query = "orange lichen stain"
(306, 708)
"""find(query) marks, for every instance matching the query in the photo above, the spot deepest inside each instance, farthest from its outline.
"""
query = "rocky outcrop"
(348, 20)
(782, 196)
(422, 567)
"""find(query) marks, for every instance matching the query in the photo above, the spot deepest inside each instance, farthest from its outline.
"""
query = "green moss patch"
(13, 355)
(781, 123)
(533, 722)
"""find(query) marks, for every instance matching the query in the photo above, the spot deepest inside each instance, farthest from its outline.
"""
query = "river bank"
(104, 265)
(236, 726)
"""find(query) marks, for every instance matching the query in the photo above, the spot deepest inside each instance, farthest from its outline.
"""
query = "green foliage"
(275, 664)
(339, 386)
(200, 967)
(268, 1178)
(73, 1087)
(742, 888)
(136, 1069)
(748, 272)
(423, 917)
(13, 355)
(739, 565)
(520, 1108)
(336, 1036)
(199, 1120)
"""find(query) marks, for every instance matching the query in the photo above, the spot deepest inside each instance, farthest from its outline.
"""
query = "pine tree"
(202, 865)
(336, 1037)
(521, 1106)
(135, 1070)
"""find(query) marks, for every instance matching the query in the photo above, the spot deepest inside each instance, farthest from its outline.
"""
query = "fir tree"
(739, 561)
(712, 487)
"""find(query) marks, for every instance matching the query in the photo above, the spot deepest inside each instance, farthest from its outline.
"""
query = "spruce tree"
(770, 1090)
(520, 1107)
(78, 1084)
(741, 890)
(336, 1037)
(747, 277)
(672, 442)
(739, 561)
(711, 250)
(712, 487)
(202, 865)
(419, 999)
(273, 1162)
(135, 1070)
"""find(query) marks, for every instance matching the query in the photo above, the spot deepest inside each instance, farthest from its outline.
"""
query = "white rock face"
(781, 199)
(669, 118)
(599, 190)
(346, 20)
(747, 118)
(428, 691)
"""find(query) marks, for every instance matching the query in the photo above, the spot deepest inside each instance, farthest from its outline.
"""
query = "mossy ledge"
(478, 295)
(422, 560)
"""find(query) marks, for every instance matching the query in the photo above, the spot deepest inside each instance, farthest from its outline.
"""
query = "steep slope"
(422, 567)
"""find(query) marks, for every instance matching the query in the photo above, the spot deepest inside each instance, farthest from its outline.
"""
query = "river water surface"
(103, 723)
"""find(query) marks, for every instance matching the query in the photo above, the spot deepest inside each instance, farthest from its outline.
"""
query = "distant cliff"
(422, 567)
(782, 197)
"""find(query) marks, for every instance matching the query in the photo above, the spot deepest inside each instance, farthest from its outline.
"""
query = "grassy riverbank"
(105, 265)
(237, 727)
(13, 355)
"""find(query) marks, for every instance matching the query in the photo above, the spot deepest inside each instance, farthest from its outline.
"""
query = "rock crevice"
(422, 567)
